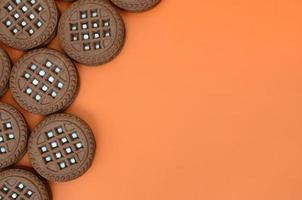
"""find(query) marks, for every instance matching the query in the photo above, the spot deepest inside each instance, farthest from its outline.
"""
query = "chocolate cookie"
(22, 184)
(135, 5)
(26, 24)
(91, 32)
(5, 68)
(61, 148)
(13, 135)
(44, 81)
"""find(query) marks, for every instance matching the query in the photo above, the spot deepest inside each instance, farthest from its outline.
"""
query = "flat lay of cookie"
(54, 39)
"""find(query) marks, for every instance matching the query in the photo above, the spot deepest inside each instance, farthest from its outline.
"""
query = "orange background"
(203, 103)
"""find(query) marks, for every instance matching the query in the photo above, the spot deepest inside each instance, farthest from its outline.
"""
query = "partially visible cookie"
(23, 185)
(91, 32)
(135, 5)
(61, 148)
(44, 81)
(13, 135)
(26, 24)
(5, 67)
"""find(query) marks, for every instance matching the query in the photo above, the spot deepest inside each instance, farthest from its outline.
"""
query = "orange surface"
(203, 103)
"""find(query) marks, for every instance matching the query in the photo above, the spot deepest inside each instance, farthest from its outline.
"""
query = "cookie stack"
(45, 81)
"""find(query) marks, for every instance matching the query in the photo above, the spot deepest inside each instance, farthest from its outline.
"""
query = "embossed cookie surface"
(44, 81)
(91, 32)
(26, 24)
(13, 135)
(5, 68)
(135, 5)
(22, 184)
(61, 147)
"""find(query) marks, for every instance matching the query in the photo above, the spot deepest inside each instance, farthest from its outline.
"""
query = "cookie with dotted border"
(26, 24)
(5, 67)
(13, 135)
(44, 81)
(91, 32)
(135, 5)
(22, 184)
(61, 148)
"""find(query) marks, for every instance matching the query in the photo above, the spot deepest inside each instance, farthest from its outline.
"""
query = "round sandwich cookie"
(44, 81)
(13, 135)
(61, 148)
(91, 32)
(26, 24)
(135, 5)
(5, 67)
(22, 184)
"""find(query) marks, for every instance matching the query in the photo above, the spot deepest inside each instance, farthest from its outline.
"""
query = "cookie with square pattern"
(5, 68)
(135, 5)
(13, 135)
(44, 81)
(26, 24)
(61, 148)
(91, 32)
(23, 185)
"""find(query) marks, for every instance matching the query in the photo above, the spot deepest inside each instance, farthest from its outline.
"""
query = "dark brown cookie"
(44, 81)
(61, 148)
(5, 68)
(22, 184)
(135, 5)
(13, 135)
(26, 24)
(91, 32)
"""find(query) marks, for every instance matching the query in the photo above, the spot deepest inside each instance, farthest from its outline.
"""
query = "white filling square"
(29, 91)
(47, 159)
(68, 150)
(38, 97)
(35, 82)
(18, 1)
(48, 64)
(60, 85)
(64, 140)
(54, 144)
(24, 8)
(59, 130)
(8, 125)
(8, 23)
(14, 195)
(15, 30)
(72, 160)
(44, 88)
(27, 75)
(84, 26)
(1, 139)
(79, 145)
(44, 149)
(29, 193)
(2, 149)
(23, 23)
(62, 165)
(51, 79)
(42, 73)
(16, 15)
(33, 67)
(74, 135)
(50, 134)
(53, 94)
(96, 35)
(58, 155)
(21, 186)
(86, 36)
(32, 2)
(31, 16)
(11, 136)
